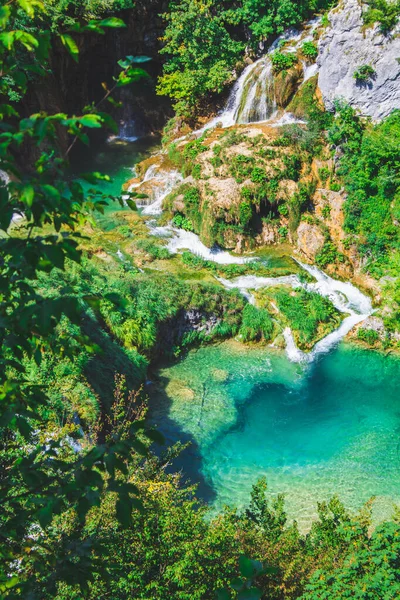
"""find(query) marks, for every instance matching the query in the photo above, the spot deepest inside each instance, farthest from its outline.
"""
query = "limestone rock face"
(310, 240)
(344, 47)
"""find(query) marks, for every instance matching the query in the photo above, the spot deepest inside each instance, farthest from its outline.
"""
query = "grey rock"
(344, 47)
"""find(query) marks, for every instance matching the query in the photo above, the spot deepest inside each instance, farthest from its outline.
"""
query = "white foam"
(178, 239)
(346, 298)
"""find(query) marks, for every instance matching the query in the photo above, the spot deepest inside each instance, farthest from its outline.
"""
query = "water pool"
(330, 427)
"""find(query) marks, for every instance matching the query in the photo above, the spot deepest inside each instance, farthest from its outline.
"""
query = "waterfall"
(345, 297)
(178, 239)
(162, 184)
(252, 98)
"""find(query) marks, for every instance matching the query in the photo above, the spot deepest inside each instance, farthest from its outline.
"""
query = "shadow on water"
(190, 461)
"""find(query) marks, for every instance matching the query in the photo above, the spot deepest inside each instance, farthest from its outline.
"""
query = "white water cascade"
(346, 298)
(179, 239)
(162, 184)
(252, 98)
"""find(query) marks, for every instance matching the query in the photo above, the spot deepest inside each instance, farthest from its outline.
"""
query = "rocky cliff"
(348, 44)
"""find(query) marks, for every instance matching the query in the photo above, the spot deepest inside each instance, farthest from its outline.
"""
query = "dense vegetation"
(88, 510)
(370, 169)
(205, 42)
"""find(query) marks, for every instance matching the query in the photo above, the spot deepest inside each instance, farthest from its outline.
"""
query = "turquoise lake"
(332, 427)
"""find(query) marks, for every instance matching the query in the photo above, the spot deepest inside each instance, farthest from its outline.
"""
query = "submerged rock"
(347, 45)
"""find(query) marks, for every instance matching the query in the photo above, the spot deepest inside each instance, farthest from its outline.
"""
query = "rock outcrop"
(345, 46)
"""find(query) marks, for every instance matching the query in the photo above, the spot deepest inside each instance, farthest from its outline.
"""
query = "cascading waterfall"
(346, 298)
(252, 98)
(178, 239)
(163, 184)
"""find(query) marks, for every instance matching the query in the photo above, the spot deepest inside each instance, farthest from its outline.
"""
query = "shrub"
(324, 174)
(305, 311)
(309, 50)
(283, 232)
(182, 222)
(258, 175)
(283, 210)
(328, 254)
(385, 12)
(369, 336)
(326, 211)
(364, 73)
(245, 213)
(283, 62)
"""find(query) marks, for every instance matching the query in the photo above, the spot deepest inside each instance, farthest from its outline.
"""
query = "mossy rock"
(305, 97)
(286, 84)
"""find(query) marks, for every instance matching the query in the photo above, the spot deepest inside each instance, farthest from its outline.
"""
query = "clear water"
(117, 159)
(332, 427)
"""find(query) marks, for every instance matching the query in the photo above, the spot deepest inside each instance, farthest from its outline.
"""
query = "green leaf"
(45, 515)
(7, 39)
(248, 568)
(27, 195)
(71, 46)
(131, 204)
(111, 22)
(5, 12)
(55, 255)
(92, 121)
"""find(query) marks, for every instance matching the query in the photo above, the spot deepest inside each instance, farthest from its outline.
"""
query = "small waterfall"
(346, 298)
(252, 98)
(178, 239)
(162, 184)
(128, 131)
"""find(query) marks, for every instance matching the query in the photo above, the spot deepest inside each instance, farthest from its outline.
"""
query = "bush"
(283, 62)
(309, 50)
(182, 222)
(283, 232)
(155, 251)
(304, 312)
(283, 210)
(385, 12)
(328, 255)
(369, 336)
(364, 73)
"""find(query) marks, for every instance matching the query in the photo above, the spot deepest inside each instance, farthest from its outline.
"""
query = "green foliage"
(371, 568)
(305, 312)
(283, 232)
(328, 255)
(309, 50)
(154, 250)
(283, 62)
(364, 73)
(283, 210)
(256, 324)
(205, 40)
(369, 336)
(182, 222)
(43, 478)
(201, 54)
(324, 174)
(370, 170)
(384, 12)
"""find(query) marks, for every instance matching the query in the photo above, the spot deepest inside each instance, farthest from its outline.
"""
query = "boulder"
(310, 240)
